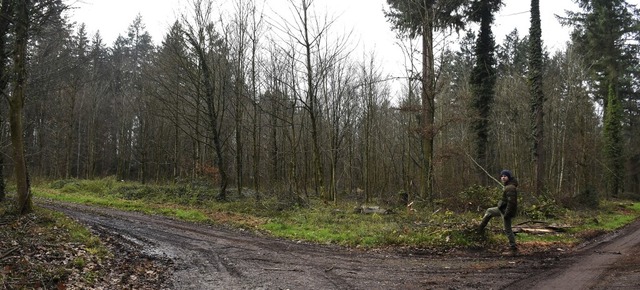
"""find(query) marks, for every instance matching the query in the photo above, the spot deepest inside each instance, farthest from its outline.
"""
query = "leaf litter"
(38, 251)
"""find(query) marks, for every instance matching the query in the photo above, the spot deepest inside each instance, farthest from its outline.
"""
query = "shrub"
(475, 198)
(589, 198)
(543, 207)
(59, 184)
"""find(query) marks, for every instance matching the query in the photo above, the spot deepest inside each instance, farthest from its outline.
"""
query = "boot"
(483, 224)
(513, 251)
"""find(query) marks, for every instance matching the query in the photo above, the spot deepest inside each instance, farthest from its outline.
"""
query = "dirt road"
(612, 262)
(206, 257)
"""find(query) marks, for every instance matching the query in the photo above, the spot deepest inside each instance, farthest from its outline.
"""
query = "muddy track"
(609, 262)
(208, 257)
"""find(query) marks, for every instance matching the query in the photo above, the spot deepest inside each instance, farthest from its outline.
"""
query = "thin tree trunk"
(256, 131)
(256, 110)
(312, 106)
(428, 109)
(238, 124)
(2, 184)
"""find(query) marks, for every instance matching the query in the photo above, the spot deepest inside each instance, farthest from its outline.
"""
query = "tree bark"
(428, 109)
(5, 14)
(312, 104)
(16, 106)
(537, 95)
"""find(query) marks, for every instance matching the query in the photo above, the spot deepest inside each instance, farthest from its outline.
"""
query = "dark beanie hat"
(506, 173)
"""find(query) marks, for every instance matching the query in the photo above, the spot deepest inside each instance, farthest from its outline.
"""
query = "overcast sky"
(364, 17)
(112, 17)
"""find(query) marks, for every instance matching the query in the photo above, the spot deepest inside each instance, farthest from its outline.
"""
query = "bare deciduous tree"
(211, 56)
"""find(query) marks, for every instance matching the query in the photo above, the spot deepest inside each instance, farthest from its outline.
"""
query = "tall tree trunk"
(5, 16)
(614, 152)
(313, 113)
(312, 103)
(238, 123)
(537, 95)
(428, 107)
(16, 106)
(256, 110)
(212, 113)
(483, 80)
(69, 138)
(366, 167)
(256, 128)
(2, 184)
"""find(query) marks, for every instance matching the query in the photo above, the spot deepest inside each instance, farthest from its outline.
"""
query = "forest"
(282, 108)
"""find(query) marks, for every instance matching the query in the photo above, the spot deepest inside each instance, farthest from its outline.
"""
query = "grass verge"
(318, 222)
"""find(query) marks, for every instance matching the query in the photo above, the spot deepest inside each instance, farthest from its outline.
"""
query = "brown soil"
(194, 256)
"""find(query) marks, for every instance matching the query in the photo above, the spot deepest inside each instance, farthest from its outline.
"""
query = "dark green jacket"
(509, 203)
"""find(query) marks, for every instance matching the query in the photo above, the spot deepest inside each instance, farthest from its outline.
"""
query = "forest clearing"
(150, 247)
(263, 147)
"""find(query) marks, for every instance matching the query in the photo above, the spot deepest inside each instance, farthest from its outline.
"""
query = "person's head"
(505, 176)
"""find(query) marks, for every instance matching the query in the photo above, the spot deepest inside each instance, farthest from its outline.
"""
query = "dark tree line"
(282, 106)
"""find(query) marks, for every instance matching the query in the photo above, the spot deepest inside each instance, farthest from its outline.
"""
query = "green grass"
(327, 224)
(613, 215)
(613, 222)
(191, 215)
(76, 232)
(610, 216)
(342, 226)
(324, 227)
(548, 238)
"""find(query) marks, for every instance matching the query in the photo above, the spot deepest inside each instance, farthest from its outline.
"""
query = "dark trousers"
(495, 212)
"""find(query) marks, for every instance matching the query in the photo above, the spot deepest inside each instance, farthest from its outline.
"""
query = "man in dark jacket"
(507, 207)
